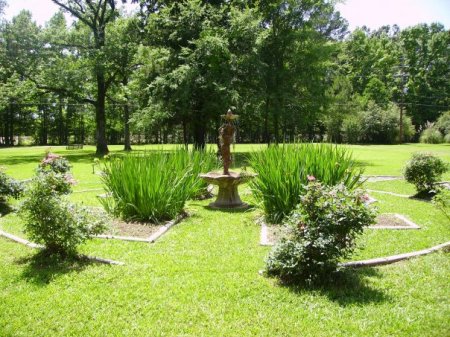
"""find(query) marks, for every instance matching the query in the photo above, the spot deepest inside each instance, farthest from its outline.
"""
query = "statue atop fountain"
(228, 182)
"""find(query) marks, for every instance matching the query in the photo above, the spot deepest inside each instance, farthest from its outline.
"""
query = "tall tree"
(96, 15)
(296, 55)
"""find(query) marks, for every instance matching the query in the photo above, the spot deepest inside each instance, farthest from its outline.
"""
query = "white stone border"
(393, 258)
(375, 178)
(37, 246)
(264, 240)
(151, 239)
(390, 193)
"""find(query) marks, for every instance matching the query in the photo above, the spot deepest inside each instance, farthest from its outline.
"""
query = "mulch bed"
(133, 229)
(390, 220)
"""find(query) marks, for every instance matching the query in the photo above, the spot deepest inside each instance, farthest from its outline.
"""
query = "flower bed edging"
(37, 246)
(394, 258)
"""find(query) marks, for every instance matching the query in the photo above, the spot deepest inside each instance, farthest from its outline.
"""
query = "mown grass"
(201, 278)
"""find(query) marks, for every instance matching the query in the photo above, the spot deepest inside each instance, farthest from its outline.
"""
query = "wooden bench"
(74, 146)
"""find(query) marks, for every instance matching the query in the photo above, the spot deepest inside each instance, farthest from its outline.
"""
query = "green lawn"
(201, 278)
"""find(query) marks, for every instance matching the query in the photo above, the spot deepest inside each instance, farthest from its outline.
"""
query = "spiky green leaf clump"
(154, 186)
(283, 172)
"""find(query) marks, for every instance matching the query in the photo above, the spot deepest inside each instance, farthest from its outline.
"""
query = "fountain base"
(228, 196)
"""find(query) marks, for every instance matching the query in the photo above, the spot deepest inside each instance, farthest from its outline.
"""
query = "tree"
(426, 60)
(96, 15)
(296, 53)
(18, 56)
(121, 49)
(192, 87)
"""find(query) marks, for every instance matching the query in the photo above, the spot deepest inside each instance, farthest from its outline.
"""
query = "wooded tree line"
(290, 69)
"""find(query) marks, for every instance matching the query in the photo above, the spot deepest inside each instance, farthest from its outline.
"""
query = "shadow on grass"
(5, 208)
(250, 208)
(27, 159)
(363, 163)
(41, 268)
(347, 287)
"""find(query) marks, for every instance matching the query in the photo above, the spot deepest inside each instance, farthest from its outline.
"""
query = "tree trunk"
(126, 117)
(266, 123)
(100, 115)
(199, 134)
(185, 134)
(60, 123)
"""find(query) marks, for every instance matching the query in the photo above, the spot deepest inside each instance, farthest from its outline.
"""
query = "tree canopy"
(290, 69)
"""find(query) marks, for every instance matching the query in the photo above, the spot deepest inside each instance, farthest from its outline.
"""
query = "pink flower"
(365, 197)
(311, 178)
(70, 180)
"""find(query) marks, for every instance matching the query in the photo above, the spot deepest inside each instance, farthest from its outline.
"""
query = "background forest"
(290, 69)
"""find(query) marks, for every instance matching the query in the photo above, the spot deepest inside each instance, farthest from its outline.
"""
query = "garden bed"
(271, 233)
(137, 231)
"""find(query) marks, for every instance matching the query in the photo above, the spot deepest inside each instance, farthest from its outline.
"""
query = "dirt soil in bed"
(134, 229)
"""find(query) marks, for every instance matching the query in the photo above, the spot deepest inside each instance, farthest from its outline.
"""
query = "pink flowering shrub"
(49, 217)
(320, 231)
(55, 163)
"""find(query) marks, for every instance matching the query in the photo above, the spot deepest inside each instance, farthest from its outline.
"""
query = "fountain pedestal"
(228, 196)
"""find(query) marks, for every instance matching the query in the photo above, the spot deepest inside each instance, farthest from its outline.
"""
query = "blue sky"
(372, 13)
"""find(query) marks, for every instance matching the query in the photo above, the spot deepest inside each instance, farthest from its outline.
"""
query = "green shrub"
(154, 186)
(447, 138)
(351, 130)
(442, 201)
(443, 123)
(379, 126)
(376, 125)
(431, 135)
(283, 171)
(9, 187)
(424, 171)
(53, 221)
(321, 230)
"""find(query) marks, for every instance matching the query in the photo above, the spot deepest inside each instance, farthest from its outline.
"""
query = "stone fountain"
(228, 182)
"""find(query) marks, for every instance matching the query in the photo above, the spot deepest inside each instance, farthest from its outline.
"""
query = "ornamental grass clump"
(154, 186)
(424, 171)
(283, 172)
(320, 231)
(50, 219)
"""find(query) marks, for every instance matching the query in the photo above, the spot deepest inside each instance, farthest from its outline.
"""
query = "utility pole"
(404, 89)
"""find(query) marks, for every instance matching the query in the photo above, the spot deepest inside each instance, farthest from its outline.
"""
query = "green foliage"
(438, 132)
(154, 186)
(351, 129)
(431, 135)
(376, 125)
(442, 201)
(283, 171)
(321, 230)
(424, 171)
(9, 187)
(50, 218)
(443, 123)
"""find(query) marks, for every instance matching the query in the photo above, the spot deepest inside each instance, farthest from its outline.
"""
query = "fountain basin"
(228, 196)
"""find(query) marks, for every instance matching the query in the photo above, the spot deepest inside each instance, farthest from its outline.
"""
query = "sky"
(404, 13)
(372, 13)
